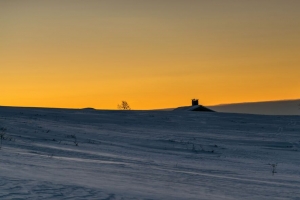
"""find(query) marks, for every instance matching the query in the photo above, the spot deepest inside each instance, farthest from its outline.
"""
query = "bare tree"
(124, 106)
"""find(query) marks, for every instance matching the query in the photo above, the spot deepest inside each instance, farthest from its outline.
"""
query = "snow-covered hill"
(283, 107)
(91, 154)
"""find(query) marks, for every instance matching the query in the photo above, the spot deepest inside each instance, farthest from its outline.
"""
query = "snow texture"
(93, 154)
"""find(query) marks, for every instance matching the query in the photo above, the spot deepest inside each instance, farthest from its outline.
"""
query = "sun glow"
(152, 54)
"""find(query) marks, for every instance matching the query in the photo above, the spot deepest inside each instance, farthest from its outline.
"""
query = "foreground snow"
(89, 154)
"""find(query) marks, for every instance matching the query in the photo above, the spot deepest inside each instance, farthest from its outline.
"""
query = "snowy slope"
(198, 108)
(147, 155)
(283, 107)
(186, 108)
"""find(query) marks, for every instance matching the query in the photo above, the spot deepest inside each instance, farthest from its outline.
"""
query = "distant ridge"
(194, 108)
(88, 108)
(280, 107)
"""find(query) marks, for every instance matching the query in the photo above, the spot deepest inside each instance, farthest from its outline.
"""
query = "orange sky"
(153, 54)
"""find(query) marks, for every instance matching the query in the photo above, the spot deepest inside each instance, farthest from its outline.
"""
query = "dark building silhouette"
(194, 107)
(195, 102)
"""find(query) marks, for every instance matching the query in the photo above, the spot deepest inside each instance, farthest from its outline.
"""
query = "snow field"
(93, 154)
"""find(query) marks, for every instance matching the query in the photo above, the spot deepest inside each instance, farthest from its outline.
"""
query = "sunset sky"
(151, 53)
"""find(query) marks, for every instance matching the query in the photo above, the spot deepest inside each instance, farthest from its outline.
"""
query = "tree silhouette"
(124, 106)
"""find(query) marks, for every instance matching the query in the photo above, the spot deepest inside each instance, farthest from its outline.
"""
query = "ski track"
(147, 155)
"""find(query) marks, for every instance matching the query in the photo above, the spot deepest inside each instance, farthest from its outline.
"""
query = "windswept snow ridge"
(92, 154)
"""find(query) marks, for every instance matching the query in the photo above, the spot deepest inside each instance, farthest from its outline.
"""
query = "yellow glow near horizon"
(153, 54)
